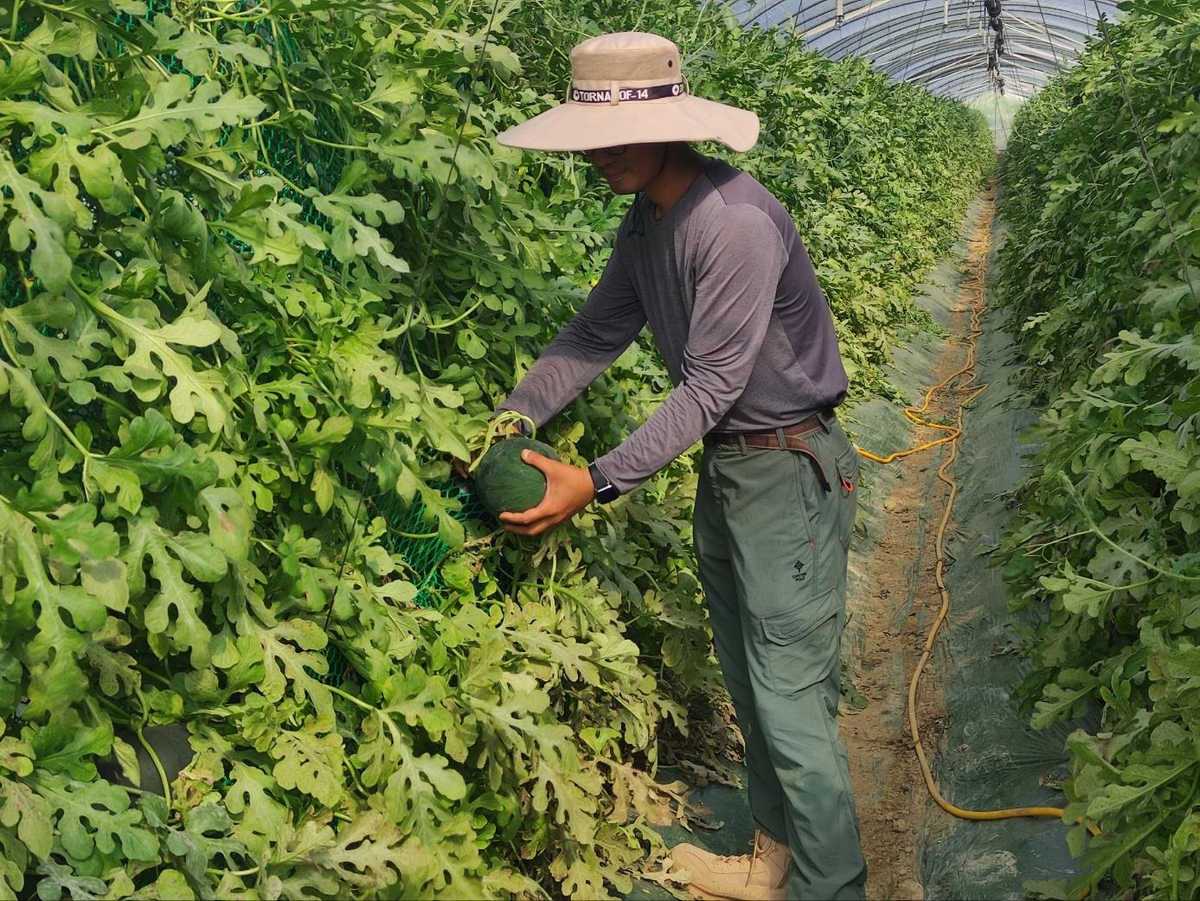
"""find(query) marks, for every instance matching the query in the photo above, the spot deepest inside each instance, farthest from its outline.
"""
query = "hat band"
(624, 95)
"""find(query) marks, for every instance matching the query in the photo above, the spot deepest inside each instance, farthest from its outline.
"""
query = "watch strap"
(606, 491)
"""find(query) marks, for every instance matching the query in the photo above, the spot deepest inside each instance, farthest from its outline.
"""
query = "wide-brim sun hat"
(628, 88)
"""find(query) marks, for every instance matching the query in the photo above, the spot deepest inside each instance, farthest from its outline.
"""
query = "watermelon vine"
(1102, 272)
(264, 273)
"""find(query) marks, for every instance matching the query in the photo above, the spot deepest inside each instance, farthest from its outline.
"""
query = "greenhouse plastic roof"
(957, 48)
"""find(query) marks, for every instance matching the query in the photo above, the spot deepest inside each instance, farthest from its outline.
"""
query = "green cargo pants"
(772, 532)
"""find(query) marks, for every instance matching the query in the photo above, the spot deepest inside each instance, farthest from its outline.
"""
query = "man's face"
(628, 168)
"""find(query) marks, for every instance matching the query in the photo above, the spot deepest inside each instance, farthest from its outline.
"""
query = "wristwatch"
(606, 491)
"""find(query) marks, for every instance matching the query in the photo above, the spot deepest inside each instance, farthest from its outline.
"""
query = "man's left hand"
(568, 490)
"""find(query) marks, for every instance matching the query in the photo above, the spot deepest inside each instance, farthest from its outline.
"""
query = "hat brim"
(590, 126)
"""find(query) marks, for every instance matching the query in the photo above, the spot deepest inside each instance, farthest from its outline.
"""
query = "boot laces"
(757, 855)
(742, 858)
(760, 852)
(734, 858)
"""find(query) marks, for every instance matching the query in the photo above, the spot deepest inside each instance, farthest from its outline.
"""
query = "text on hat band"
(657, 92)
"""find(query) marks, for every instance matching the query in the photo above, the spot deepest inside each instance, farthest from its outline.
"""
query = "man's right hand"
(568, 490)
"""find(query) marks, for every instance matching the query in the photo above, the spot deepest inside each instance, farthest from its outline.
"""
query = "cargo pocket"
(800, 646)
(847, 464)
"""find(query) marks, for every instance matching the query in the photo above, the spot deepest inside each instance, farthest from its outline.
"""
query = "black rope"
(1049, 37)
(802, 11)
(1016, 74)
(862, 31)
(768, 8)
(999, 116)
(913, 46)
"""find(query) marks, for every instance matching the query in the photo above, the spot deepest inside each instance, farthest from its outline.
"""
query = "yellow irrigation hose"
(974, 285)
(911, 413)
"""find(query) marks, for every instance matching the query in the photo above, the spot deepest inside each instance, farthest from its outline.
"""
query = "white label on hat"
(657, 92)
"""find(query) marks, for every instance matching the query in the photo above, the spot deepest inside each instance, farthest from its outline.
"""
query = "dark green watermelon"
(507, 484)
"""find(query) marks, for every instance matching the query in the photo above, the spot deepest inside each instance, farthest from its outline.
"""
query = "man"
(711, 261)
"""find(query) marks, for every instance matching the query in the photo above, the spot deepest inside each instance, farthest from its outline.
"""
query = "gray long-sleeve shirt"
(733, 302)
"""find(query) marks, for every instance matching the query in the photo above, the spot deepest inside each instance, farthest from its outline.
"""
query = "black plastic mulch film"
(305, 164)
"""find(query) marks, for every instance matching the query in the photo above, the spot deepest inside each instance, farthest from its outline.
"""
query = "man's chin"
(620, 186)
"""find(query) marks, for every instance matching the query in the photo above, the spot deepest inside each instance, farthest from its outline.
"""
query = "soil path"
(890, 617)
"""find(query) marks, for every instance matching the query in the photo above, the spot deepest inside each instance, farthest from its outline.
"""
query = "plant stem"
(434, 326)
(358, 148)
(1095, 530)
(154, 758)
(353, 700)
(53, 417)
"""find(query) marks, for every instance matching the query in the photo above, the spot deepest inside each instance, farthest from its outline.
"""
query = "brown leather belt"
(790, 437)
(793, 436)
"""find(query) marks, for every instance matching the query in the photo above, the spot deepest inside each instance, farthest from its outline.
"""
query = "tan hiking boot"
(761, 876)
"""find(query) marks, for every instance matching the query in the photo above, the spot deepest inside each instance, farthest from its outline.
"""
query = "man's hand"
(568, 490)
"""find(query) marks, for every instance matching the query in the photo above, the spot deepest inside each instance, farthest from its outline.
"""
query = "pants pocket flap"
(793, 625)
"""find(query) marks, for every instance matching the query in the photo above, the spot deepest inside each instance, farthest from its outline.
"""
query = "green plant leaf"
(38, 217)
(310, 761)
(174, 110)
(29, 814)
(95, 824)
(173, 609)
(259, 817)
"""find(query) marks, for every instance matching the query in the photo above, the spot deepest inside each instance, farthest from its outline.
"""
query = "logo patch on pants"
(801, 575)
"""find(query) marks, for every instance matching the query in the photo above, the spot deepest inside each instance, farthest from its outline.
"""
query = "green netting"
(10, 282)
(302, 164)
(416, 544)
(12, 289)
(411, 540)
